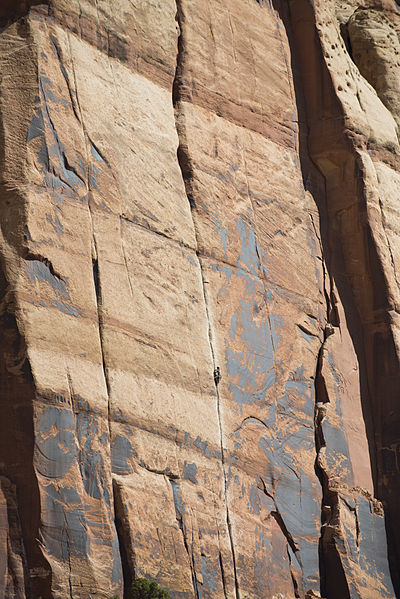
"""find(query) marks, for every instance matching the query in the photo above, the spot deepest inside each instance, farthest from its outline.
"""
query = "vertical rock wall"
(187, 186)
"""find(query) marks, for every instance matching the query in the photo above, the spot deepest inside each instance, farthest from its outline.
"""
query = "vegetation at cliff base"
(144, 589)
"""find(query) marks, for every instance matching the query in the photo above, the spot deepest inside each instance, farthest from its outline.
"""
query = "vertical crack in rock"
(187, 175)
(128, 557)
(221, 565)
(291, 544)
(344, 32)
(179, 512)
(354, 510)
(66, 77)
(95, 259)
(332, 315)
(127, 269)
(293, 577)
(279, 520)
(330, 517)
(379, 377)
(329, 149)
(97, 286)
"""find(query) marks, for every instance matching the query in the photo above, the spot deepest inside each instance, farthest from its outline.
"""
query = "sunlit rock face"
(199, 298)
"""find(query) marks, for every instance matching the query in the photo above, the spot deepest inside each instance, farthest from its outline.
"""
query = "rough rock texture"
(187, 185)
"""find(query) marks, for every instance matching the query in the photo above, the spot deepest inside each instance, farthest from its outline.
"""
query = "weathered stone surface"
(185, 186)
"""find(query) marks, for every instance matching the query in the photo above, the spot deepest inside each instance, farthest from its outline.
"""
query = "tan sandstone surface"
(189, 185)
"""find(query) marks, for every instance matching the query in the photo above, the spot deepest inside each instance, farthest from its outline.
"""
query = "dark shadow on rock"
(12, 10)
(316, 104)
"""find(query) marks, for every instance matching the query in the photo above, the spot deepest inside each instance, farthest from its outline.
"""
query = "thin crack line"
(188, 176)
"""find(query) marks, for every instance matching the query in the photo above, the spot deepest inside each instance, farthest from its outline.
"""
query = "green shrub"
(144, 589)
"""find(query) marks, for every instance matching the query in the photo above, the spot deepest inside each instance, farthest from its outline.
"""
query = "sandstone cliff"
(188, 185)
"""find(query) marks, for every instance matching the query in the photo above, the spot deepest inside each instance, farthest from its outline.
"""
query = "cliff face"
(187, 186)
